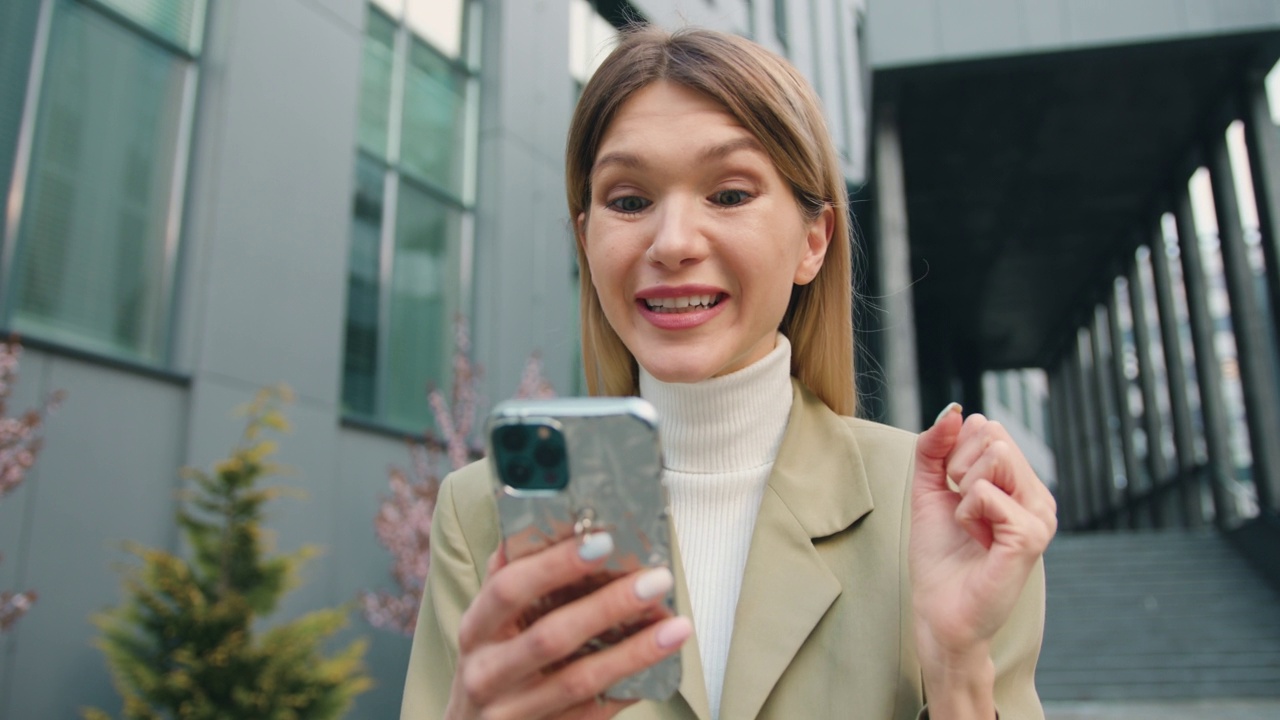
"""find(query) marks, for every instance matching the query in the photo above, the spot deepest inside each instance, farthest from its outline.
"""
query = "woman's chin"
(689, 367)
(671, 370)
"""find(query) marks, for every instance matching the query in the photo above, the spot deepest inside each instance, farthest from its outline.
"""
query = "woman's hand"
(505, 671)
(974, 543)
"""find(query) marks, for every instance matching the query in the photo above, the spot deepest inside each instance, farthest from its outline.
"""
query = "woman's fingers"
(992, 517)
(933, 446)
(563, 631)
(975, 435)
(1004, 466)
(578, 684)
(985, 451)
(513, 587)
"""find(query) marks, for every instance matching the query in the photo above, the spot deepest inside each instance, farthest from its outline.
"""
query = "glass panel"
(580, 12)
(181, 21)
(433, 136)
(439, 21)
(424, 296)
(375, 83)
(360, 358)
(91, 248)
(591, 37)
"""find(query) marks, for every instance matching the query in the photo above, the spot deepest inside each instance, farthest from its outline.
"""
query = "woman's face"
(693, 238)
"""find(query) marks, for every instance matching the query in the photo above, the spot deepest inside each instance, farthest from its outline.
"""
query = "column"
(1253, 336)
(1176, 370)
(1120, 397)
(1263, 142)
(1063, 452)
(1157, 468)
(1087, 430)
(1077, 435)
(1102, 408)
(1208, 367)
(900, 365)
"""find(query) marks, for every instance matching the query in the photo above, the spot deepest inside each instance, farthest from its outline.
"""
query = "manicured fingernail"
(595, 546)
(952, 407)
(654, 582)
(674, 631)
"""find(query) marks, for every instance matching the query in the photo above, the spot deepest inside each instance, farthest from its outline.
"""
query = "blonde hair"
(771, 100)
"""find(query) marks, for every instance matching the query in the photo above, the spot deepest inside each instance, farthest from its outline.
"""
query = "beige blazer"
(823, 628)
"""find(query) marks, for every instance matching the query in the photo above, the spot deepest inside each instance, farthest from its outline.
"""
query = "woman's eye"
(730, 198)
(629, 204)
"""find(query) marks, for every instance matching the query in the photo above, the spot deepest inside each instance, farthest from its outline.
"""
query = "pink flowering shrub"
(403, 522)
(20, 443)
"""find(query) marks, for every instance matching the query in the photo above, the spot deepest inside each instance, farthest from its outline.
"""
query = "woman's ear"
(817, 239)
(580, 230)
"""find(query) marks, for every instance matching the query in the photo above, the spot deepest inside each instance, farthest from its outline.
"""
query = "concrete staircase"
(1165, 616)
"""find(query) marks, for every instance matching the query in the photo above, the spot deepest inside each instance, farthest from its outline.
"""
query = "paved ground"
(1261, 709)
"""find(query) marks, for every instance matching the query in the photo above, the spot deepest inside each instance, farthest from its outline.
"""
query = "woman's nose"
(677, 239)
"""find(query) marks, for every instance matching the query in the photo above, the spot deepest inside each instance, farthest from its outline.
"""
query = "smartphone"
(564, 467)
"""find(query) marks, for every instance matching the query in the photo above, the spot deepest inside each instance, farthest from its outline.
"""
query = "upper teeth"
(680, 302)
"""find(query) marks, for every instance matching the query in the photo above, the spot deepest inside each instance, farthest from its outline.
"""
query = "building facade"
(204, 197)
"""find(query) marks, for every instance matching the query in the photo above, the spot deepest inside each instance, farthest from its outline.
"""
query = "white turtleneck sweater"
(719, 441)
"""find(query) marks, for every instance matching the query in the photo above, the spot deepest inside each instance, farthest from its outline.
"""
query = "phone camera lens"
(511, 438)
(548, 455)
(519, 473)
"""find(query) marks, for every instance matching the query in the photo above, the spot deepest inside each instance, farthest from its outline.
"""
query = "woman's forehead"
(664, 109)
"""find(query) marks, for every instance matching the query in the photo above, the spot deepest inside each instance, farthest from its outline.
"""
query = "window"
(412, 213)
(91, 252)
(591, 37)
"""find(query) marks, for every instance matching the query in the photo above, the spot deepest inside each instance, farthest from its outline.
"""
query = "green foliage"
(183, 644)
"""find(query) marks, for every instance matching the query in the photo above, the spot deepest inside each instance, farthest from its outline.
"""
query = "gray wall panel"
(1226, 15)
(14, 507)
(900, 32)
(16, 510)
(1103, 21)
(524, 261)
(523, 252)
(348, 12)
(1046, 22)
(915, 32)
(360, 563)
(727, 15)
(969, 27)
(281, 214)
(109, 477)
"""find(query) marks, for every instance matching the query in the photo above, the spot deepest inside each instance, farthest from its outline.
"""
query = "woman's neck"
(732, 422)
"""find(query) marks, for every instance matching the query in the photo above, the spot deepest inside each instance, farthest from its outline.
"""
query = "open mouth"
(683, 304)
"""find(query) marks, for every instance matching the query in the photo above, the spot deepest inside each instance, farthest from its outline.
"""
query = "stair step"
(1156, 615)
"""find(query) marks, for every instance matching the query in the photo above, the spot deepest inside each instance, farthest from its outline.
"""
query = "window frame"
(174, 217)
(394, 173)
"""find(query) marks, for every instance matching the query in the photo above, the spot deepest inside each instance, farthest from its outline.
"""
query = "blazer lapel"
(818, 487)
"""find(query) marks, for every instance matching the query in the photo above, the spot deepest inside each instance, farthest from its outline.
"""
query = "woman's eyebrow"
(723, 150)
(625, 159)
(715, 152)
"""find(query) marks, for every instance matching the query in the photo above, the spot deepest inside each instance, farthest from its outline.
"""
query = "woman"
(715, 253)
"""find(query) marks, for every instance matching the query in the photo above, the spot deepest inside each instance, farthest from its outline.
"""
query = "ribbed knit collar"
(724, 424)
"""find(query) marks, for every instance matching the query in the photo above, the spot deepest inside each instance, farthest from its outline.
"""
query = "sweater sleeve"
(452, 581)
